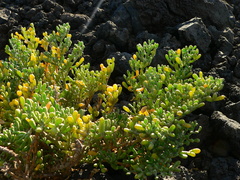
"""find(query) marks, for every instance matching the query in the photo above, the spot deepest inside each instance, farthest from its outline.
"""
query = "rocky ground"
(114, 31)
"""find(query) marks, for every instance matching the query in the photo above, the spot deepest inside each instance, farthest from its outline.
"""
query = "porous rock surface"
(114, 31)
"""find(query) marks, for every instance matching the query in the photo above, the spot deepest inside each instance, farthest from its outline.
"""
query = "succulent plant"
(56, 113)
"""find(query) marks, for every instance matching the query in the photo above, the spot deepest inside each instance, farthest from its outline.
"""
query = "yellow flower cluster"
(111, 96)
(56, 52)
(19, 36)
(14, 103)
(84, 123)
(26, 89)
(44, 44)
(79, 62)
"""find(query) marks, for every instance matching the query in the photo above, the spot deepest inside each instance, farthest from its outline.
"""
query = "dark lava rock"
(99, 47)
(185, 174)
(225, 169)
(228, 130)
(111, 32)
(233, 92)
(237, 69)
(75, 20)
(49, 5)
(194, 31)
(155, 15)
(126, 15)
(225, 46)
(121, 62)
(232, 110)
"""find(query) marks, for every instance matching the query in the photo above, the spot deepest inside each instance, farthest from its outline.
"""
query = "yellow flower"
(42, 65)
(70, 120)
(54, 50)
(31, 78)
(129, 88)
(19, 92)
(144, 111)
(1, 97)
(45, 34)
(30, 29)
(58, 53)
(80, 82)
(80, 122)
(103, 68)
(133, 77)
(11, 104)
(67, 86)
(86, 118)
(178, 51)
(19, 36)
(81, 105)
(80, 62)
(37, 40)
(75, 115)
(110, 89)
(44, 45)
(134, 56)
(115, 87)
(137, 73)
(192, 92)
(19, 87)
(48, 105)
(33, 57)
(69, 35)
(205, 85)
(24, 87)
(14, 102)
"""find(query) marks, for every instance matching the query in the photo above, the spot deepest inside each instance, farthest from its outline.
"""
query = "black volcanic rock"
(156, 15)
(228, 130)
(195, 32)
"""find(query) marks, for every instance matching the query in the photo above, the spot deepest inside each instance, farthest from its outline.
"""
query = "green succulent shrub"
(56, 113)
(152, 132)
(45, 93)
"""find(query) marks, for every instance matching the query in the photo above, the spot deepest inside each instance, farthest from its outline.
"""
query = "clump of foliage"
(152, 132)
(56, 113)
(46, 113)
